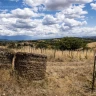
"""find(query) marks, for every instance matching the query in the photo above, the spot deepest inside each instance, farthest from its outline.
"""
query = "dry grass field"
(92, 45)
(60, 56)
(68, 73)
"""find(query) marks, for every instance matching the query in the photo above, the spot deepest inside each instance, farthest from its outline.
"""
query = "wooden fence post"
(13, 65)
(94, 72)
(54, 52)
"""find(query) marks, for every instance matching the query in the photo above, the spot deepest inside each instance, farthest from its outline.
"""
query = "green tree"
(41, 45)
(71, 43)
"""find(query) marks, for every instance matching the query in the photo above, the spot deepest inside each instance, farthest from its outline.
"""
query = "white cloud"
(21, 13)
(46, 31)
(39, 8)
(25, 13)
(71, 23)
(26, 24)
(93, 5)
(64, 28)
(73, 12)
(68, 18)
(35, 22)
(20, 21)
(55, 4)
(84, 31)
(5, 32)
(5, 15)
(20, 26)
(3, 11)
(61, 4)
(33, 2)
(29, 27)
(49, 20)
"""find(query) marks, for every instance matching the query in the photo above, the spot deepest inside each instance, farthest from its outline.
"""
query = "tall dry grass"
(69, 75)
(58, 55)
(62, 79)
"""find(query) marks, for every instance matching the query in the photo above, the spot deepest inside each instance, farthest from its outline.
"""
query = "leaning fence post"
(13, 66)
(54, 53)
(94, 72)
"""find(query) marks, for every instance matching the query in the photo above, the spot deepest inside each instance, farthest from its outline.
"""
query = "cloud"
(49, 20)
(71, 17)
(55, 4)
(20, 13)
(29, 27)
(33, 2)
(36, 21)
(25, 13)
(73, 12)
(84, 31)
(61, 4)
(16, 25)
(39, 8)
(64, 28)
(49, 32)
(26, 24)
(71, 23)
(93, 5)
(5, 32)
(3, 11)
(20, 22)
(79, 32)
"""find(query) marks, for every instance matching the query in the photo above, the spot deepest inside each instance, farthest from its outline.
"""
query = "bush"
(12, 45)
(70, 43)
(41, 45)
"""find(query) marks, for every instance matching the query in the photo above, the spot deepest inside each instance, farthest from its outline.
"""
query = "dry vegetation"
(92, 45)
(61, 56)
(69, 73)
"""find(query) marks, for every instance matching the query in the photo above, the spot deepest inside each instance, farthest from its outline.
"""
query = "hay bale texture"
(6, 56)
(31, 66)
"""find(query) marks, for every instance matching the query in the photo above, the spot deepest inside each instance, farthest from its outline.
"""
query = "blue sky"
(39, 19)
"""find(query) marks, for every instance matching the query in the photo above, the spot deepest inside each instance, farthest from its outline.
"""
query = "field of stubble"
(67, 74)
(62, 79)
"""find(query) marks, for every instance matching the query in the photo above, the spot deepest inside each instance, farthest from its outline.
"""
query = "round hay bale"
(6, 56)
(31, 66)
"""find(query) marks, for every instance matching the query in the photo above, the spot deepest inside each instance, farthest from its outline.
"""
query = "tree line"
(67, 43)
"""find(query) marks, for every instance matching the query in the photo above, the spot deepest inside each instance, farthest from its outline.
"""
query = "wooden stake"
(13, 62)
(94, 73)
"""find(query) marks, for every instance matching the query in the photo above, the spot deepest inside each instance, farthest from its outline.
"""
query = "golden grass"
(62, 79)
(68, 73)
(91, 45)
(57, 55)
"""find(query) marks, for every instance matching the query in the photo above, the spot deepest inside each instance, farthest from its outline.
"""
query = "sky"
(43, 19)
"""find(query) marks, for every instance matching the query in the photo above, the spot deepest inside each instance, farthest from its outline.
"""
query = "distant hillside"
(90, 37)
(17, 37)
(3, 40)
(29, 38)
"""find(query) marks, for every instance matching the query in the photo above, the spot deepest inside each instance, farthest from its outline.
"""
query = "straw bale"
(6, 56)
(31, 66)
